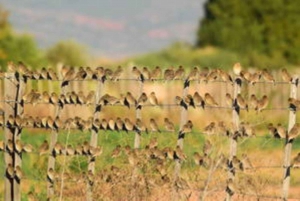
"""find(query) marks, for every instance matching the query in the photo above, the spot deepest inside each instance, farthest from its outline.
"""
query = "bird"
(81, 100)
(44, 148)
(286, 77)
(179, 73)
(296, 161)
(237, 68)
(209, 100)
(225, 76)
(10, 173)
(207, 147)
(229, 100)
(281, 131)
(136, 73)
(10, 146)
(189, 101)
(294, 132)
(90, 98)
(241, 103)
(69, 75)
(262, 103)
(54, 99)
(193, 75)
(179, 154)
(43, 74)
(128, 125)
(253, 101)
(246, 129)
(51, 75)
(169, 126)
(180, 101)
(212, 76)
(255, 77)
(153, 126)
(236, 163)
(119, 124)
(108, 73)
(210, 128)
(198, 100)
(69, 150)
(230, 189)
(111, 124)
(18, 173)
(246, 163)
(117, 74)
(18, 146)
(81, 74)
(140, 126)
(104, 124)
(268, 76)
(95, 151)
(146, 73)
(45, 97)
(293, 104)
(2, 145)
(51, 175)
(186, 128)
(141, 100)
(247, 76)
(153, 143)
(156, 73)
(197, 158)
(116, 152)
(130, 100)
(99, 74)
(153, 99)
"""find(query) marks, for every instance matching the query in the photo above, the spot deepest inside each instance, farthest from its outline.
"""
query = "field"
(151, 165)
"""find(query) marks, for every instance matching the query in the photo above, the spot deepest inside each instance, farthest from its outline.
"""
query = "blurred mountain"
(110, 28)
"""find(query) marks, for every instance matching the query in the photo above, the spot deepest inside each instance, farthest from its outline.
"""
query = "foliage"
(15, 47)
(67, 52)
(253, 27)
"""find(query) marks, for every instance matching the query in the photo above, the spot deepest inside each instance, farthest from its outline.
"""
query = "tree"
(17, 47)
(254, 27)
(67, 52)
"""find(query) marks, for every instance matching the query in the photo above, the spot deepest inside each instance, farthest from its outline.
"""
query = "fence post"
(138, 113)
(17, 157)
(233, 138)
(10, 94)
(52, 156)
(288, 145)
(93, 142)
(183, 119)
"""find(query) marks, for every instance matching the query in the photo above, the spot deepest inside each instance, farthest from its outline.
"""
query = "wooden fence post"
(10, 93)
(52, 156)
(183, 120)
(138, 113)
(17, 157)
(288, 145)
(233, 138)
(93, 142)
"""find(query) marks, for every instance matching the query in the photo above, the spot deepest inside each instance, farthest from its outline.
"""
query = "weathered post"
(288, 144)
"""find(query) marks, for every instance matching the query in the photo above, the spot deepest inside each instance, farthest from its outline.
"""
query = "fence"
(17, 97)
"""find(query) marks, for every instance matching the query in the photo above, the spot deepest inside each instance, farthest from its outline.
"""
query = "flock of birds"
(151, 151)
(205, 75)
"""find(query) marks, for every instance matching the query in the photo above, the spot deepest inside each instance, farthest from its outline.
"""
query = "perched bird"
(69, 75)
(193, 75)
(255, 77)
(18, 146)
(253, 101)
(153, 126)
(198, 100)
(246, 129)
(116, 152)
(229, 100)
(44, 148)
(281, 131)
(111, 124)
(246, 163)
(186, 128)
(179, 154)
(130, 100)
(117, 74)
(119, 124)
(153, 143)
(225, 76)
(95, 151)
(43, 74)
(180, 101)
(54, 99)
(45, 97)
(179, 73)
(141, 100)
(90, 98)
(169, 74)
(169, 126)
(104, 124)
(51, 75)
(209, 100)
(296, 161)
(81, 100)
(10, 146)
(268, 76)
(128, 125)
(230, 189)
(294, 132)
(286, 77)
(10, 173)
(18, 173)
(99, 74)
(153, 99)
(293, 104)
(203, 74)
(81, 74)
(212, 76)
(207, 147)
(156, 73)
(241, 103)
(210, 129)
(237, 68)
(136, 73)
(145, 74)
(236, 163)
(140, 126)
(262, 103)
(247, 76)
(189, 101)
(2, 145)
(51, 175)
(197, 158)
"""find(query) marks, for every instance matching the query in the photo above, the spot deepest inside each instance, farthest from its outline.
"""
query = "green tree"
(254, 27)
(17, 47)
(67, 52)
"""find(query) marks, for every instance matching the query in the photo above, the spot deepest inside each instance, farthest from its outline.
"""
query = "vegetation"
(265, 31)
